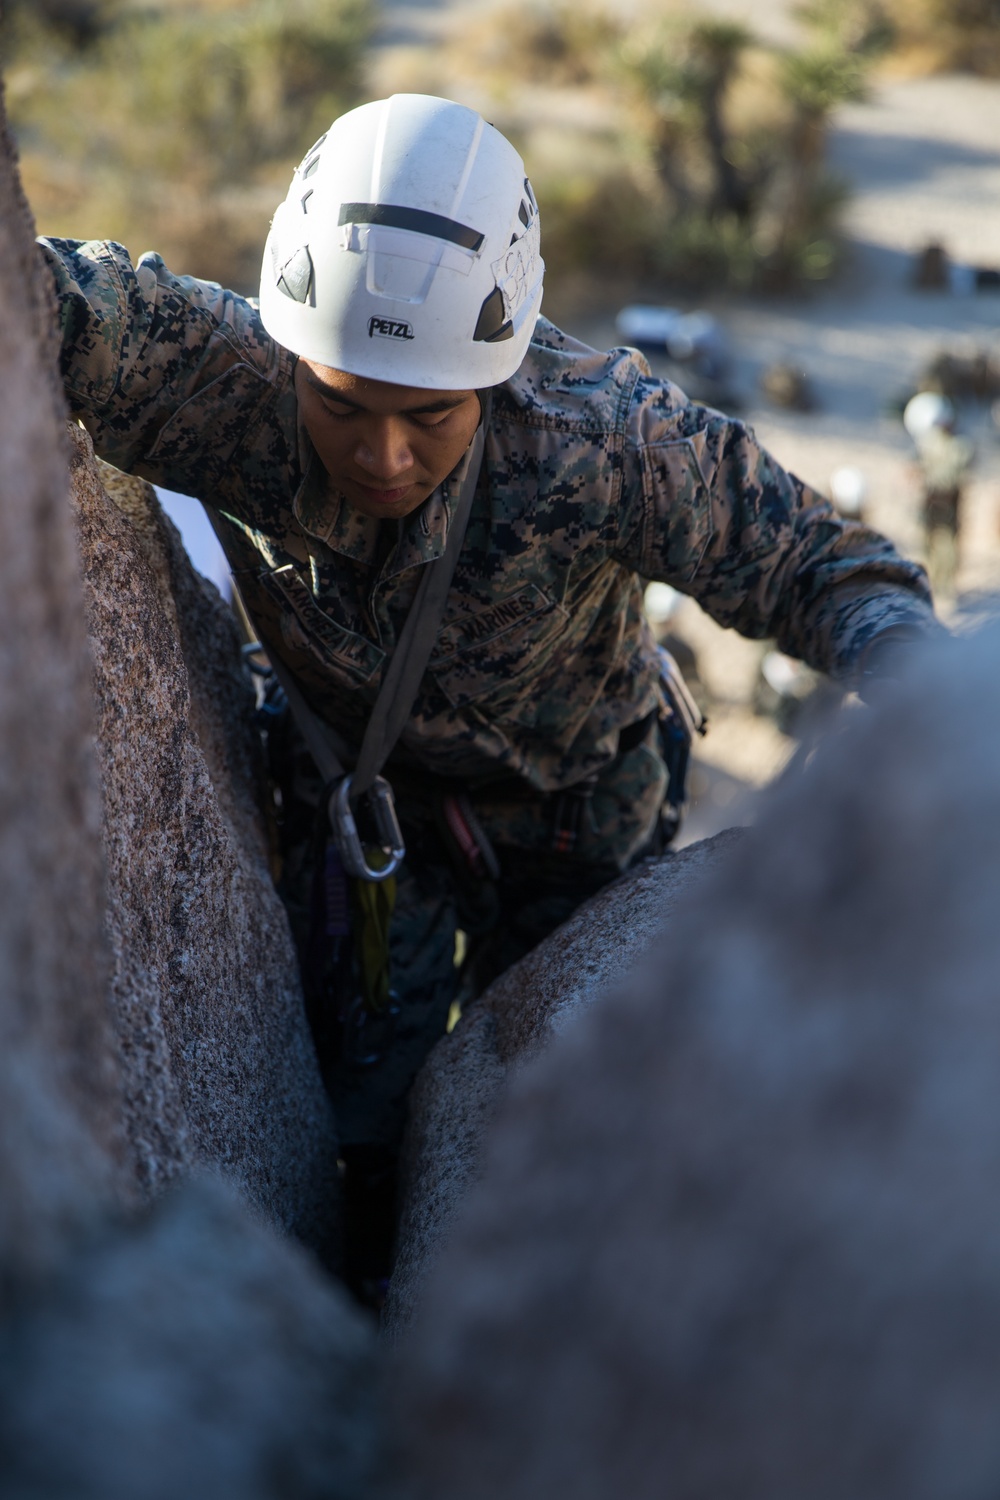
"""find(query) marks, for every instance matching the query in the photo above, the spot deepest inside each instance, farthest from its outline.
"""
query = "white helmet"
(848, 491)
(407, 249)
(926, 410)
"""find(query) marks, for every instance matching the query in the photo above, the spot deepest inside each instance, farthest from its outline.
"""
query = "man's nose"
(384, 451)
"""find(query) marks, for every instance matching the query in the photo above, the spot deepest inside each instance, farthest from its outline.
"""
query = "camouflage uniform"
(595, 473)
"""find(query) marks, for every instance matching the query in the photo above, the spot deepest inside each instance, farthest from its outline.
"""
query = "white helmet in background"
(407, 249)
(848, 491)
(926, 410)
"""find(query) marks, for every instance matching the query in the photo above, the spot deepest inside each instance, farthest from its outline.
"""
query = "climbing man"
(438, 509)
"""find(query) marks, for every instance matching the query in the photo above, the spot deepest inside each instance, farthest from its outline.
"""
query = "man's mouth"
(380, 496)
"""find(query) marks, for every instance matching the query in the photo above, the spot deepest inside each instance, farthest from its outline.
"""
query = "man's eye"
(335, 410)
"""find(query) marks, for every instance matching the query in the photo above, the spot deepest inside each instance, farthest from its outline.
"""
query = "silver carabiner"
(345, 830)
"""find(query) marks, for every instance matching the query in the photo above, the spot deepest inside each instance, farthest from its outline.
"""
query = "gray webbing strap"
(416, 639)
(409, 660)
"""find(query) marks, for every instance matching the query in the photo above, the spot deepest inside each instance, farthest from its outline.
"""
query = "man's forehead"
(378, 395)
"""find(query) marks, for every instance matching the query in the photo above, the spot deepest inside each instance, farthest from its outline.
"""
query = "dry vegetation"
(948, 36)
(175, 126)
(666, 147)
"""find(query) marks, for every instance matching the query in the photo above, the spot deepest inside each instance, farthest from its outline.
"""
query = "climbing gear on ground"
(407, 249)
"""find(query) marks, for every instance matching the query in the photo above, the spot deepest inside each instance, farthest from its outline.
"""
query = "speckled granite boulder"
(59, 1142)
(217, 1060)
(738, 1229)
(463, 1080)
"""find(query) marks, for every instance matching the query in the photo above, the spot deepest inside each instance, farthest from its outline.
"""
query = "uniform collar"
(324, 513)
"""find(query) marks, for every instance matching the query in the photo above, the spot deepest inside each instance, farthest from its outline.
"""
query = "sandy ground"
(922, 157)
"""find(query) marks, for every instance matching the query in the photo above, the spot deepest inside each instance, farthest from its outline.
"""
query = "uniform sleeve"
(707, 509)
(165, 372)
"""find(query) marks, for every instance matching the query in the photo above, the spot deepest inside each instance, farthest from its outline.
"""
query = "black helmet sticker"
(389, 328)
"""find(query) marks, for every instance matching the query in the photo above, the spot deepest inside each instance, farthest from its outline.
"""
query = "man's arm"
(164, 371)
(706, 509)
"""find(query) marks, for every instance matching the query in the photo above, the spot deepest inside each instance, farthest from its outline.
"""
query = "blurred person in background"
(944, 459)
(394, 408)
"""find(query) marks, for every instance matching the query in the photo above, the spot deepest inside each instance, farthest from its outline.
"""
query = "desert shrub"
(178, 127)
(951, 34)
(721, 178)
(667, 145)
(76, 22)
(684, 150)
(599, 220)
(554, 42)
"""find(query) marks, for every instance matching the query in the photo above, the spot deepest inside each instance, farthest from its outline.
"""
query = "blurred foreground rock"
(463, 1081)
(737, 1232)
(188, 1354)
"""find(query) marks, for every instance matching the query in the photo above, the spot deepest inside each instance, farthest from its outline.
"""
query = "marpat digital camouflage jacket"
(595, 474)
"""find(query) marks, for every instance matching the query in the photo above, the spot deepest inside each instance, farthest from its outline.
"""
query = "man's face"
(386, 447)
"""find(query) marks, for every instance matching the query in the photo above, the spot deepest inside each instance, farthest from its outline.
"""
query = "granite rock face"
(463, 1081)
(217, 1061)
(60, 1147)
(737, 1232)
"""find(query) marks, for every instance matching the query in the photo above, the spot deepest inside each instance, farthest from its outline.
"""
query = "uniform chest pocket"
(679, 522)
(306, 627)
(504, 652)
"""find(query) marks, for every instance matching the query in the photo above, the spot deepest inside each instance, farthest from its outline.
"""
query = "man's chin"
(390, 504)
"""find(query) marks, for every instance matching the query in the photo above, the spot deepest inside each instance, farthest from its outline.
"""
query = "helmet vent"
(524, 213)
(305, 200)
(295, 276)
(310, 166)
(493, 325)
